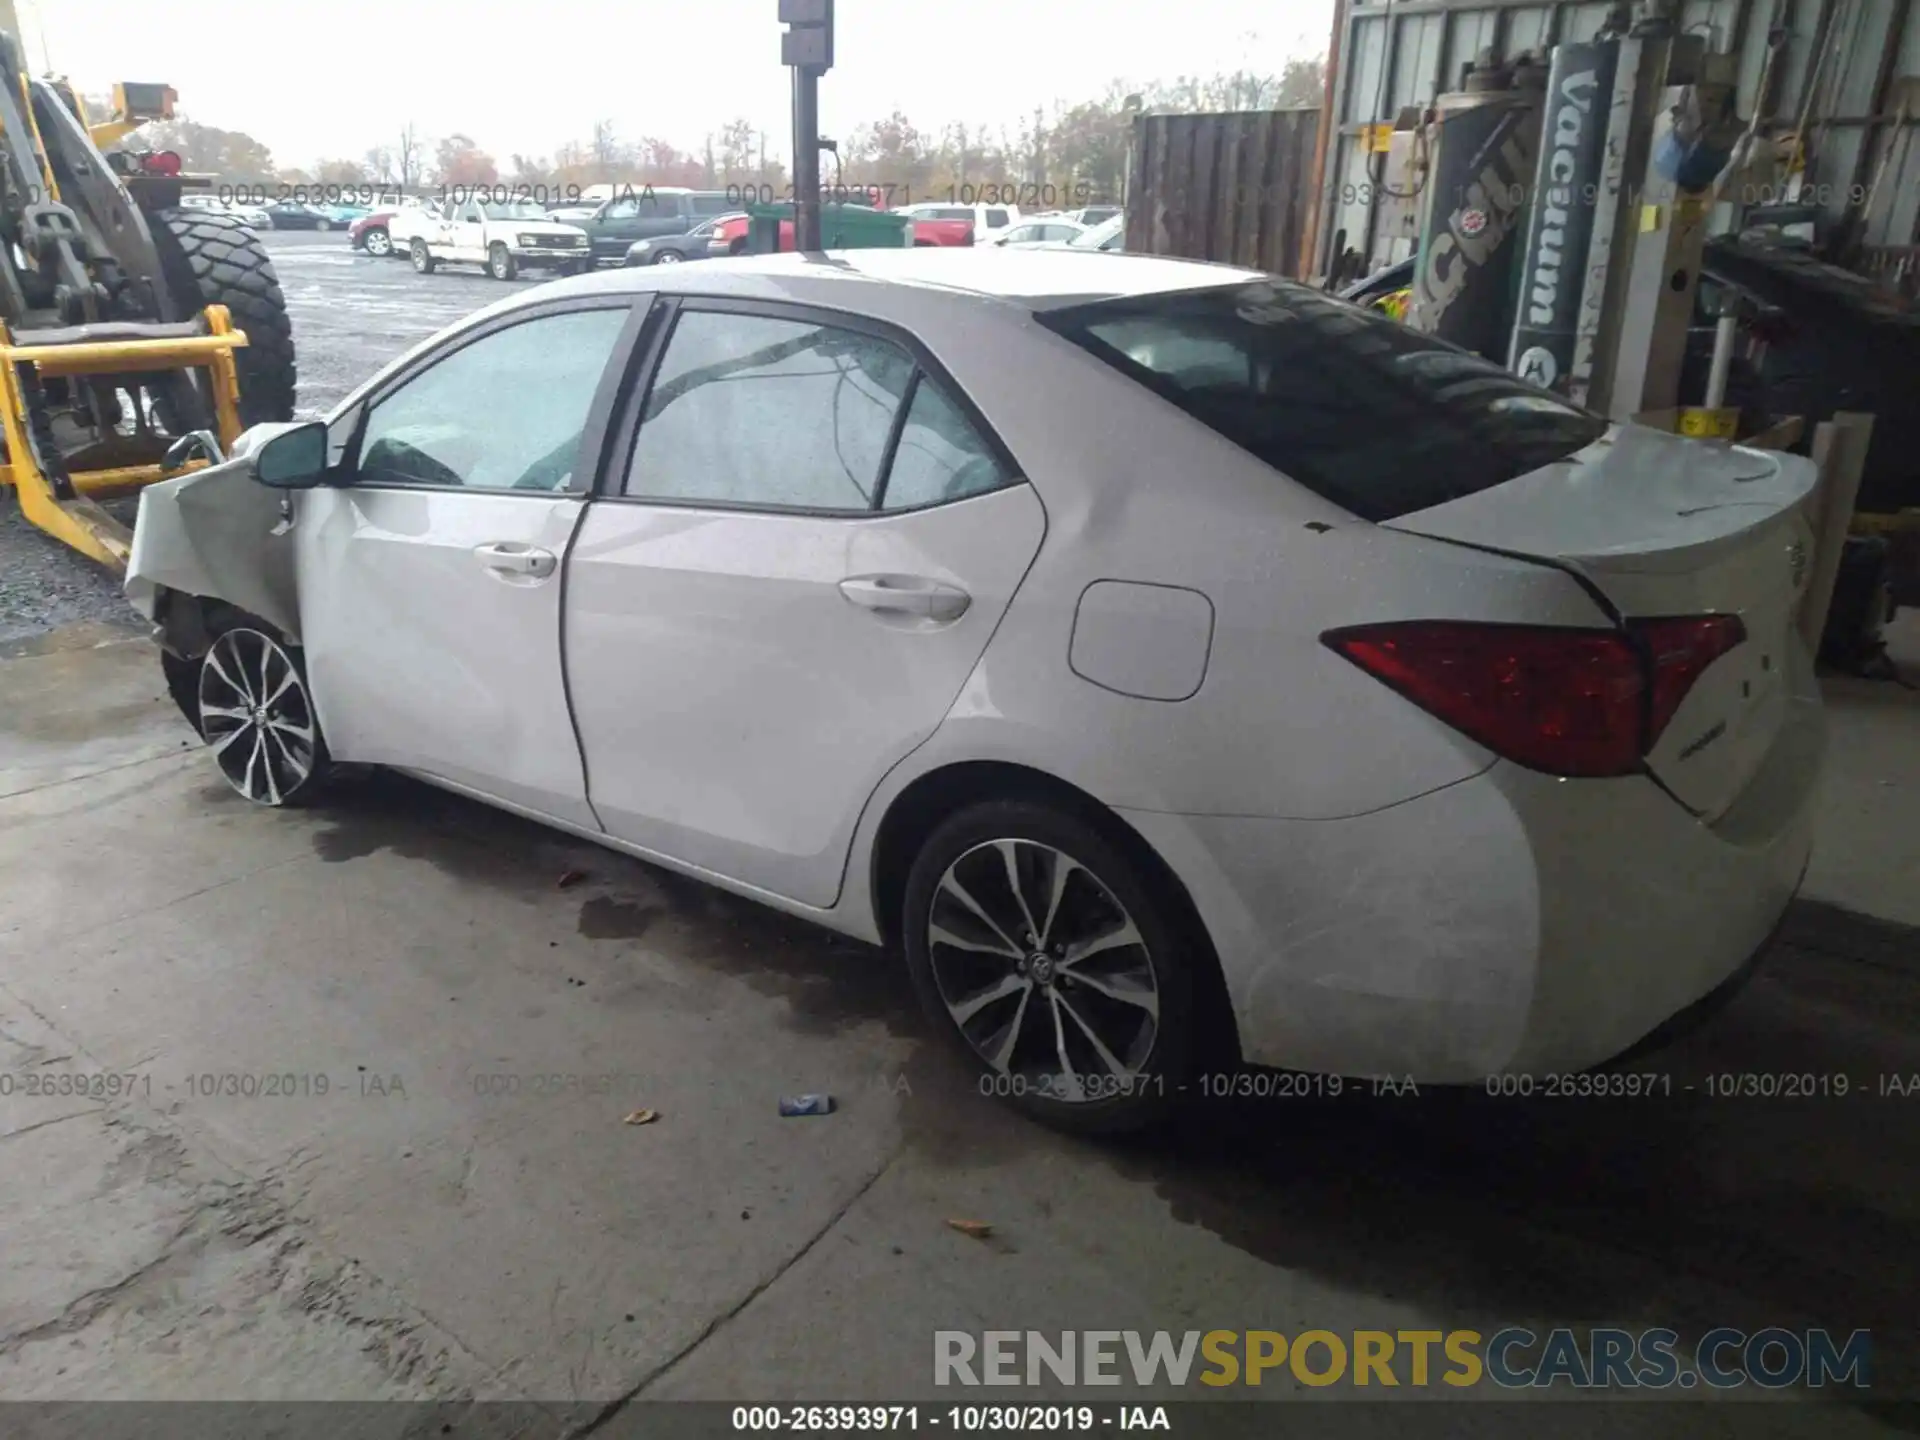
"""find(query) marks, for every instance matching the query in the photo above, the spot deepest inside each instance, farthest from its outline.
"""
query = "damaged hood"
(218, 533)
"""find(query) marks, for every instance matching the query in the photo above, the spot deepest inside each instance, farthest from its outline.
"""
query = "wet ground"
(351, 314)
(332, 1104)
(377, 1057)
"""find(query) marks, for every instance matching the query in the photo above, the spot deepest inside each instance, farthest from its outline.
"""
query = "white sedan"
(1040, 230)
(1175, 664)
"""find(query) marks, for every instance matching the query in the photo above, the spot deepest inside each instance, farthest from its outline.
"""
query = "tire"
(500, 262)
(738, 247)
(212, 259)
(423, 262)
(323, 224)
(667, 257)
(250, 672)
(1150, 1036)
(377, 243)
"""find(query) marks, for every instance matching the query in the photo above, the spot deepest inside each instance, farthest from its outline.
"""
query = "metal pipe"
(1726, 332)
(806, 159)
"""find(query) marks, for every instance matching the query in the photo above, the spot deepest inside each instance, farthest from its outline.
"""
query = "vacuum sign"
(1579, 89)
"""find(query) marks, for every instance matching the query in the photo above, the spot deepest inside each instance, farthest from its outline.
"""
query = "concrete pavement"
(362, 1071)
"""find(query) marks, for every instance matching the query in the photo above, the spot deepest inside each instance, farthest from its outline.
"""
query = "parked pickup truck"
(644, 212)
(502, 236)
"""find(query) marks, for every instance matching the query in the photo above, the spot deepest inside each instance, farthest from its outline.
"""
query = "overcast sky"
(329, 78)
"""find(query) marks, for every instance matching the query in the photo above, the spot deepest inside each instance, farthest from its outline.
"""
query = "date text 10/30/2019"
(960, 1419)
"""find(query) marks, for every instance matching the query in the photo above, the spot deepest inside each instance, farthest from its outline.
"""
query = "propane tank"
(1485, 137)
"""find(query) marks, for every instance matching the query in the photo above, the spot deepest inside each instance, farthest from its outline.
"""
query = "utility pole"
(806, 48)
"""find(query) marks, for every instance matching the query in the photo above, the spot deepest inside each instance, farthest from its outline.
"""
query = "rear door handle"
(509, 558)
(906, 595)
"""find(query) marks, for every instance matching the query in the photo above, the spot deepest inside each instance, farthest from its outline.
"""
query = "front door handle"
(509, 558)
(906, 595)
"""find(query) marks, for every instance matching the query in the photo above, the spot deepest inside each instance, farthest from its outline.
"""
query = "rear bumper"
(1512, 922)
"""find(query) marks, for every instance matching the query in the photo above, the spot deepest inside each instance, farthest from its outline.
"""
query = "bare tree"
(380, 163)
(607, 150)
(410, 155)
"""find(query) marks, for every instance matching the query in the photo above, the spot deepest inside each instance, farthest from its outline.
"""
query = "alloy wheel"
(1043, 971)
(257, 716)
(666, 257)
(379, 243)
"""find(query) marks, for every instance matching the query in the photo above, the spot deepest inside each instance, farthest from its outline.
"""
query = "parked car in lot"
(298, 215)
(644, 213)
(372, 233)
(1092, 215)
(1174, 663)
(253, 215)
(342, 216)
(988, 221)
(502, 236)
(696, 244)
(1052, 230)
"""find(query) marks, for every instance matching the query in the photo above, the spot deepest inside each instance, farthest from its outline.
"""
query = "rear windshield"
(1377, 418)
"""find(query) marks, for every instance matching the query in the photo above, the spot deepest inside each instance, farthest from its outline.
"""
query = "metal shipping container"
(1234, 188)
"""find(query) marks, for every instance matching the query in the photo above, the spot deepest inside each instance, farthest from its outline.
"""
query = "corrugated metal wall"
(1230, 187)
(1393, 55)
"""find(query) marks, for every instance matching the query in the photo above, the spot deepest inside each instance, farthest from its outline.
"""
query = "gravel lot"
(351, 314)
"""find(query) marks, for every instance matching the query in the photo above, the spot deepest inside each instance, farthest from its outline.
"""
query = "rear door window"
(996, 218)
(1375, 417)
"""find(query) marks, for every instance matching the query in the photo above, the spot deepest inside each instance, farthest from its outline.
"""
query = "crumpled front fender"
(220, 534)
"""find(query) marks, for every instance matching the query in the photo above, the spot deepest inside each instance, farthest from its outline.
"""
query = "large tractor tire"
(212, 259)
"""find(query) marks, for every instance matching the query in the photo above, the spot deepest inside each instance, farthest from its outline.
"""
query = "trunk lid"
(1666, 527)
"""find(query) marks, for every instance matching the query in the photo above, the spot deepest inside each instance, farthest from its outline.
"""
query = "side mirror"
(294, 459)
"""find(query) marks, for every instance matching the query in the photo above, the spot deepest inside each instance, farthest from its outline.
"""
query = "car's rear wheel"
(667, 257)
(256, 714)
(1055, 961)
(378, 242)
(423, 260)
(500, 262)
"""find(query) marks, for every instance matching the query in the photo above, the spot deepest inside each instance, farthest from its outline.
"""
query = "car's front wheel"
(253, 707)
(1056, 961)
(500, 262)
(378, 242)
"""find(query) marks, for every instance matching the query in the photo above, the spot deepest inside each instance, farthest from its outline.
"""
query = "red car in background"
(730, 235)
(369, 233)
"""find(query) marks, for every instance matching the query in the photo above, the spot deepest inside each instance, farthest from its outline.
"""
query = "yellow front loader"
(136, 333)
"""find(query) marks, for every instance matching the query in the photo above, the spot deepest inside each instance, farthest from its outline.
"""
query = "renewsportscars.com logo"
(1513, 1358)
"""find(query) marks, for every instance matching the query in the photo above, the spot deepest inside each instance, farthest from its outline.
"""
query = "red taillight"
(161, 162)
(1568, 702)
(1562, 701)
(1680, 650)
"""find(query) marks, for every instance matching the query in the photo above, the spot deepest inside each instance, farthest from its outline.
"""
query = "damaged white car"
(1176, 664)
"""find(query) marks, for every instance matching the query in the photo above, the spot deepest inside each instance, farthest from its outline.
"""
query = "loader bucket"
(63, 501)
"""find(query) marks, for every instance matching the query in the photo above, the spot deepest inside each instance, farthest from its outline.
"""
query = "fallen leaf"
(569, 879)
(641, 1117)
(978, 1229)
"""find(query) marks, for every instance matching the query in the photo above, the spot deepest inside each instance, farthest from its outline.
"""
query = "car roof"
(1033, 279)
